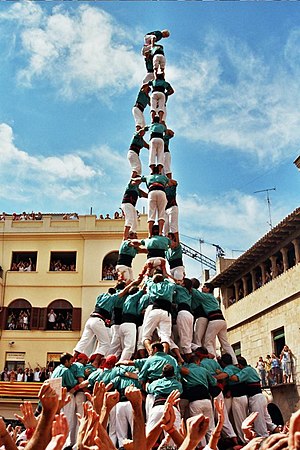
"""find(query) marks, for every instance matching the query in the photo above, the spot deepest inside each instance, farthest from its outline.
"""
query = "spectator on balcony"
(276, 372)
(51, 319)
(286, 358)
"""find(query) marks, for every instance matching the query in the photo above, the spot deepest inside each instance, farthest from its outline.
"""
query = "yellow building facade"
(59, 265)
(260, 296)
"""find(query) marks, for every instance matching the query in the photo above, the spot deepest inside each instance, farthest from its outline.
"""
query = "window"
(109, 266)
(23, 261)
(237, 348)
(60, 316)
(63, 261)
(15, 361)
(278, 339)
(18, 315)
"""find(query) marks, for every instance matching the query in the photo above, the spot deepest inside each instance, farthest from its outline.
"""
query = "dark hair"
(111, 291)
(156, 119)
(120, 286)
(158, 278)
(65, 357)
(171, 236)
(202, 350)
(155, 229)
(195, 283)
(187, 283)
(194, 359)
(133, 290)
(168, 371)
(158, 346)
(242, 361)
(210, 287)
(226, 358)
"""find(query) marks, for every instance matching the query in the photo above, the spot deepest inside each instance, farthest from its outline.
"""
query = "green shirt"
(248, 375)
(155, 178)
(130, 305)
(182, 296)
(156, 242)
(211, 365)
(174, 253)
(143, 98)
(105, 375)
(164, 386)
(106, 301)
(126, 249)
(68, 379)
(78, 370)
(161, 291)
(198, 375)
(153, 367)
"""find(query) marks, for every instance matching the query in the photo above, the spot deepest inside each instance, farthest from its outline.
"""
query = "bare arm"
(134, 395)
(5, 437)
(42, 435)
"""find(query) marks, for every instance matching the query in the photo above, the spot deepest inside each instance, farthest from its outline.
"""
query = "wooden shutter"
(76, 319)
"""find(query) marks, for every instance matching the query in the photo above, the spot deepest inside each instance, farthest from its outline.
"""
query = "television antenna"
(268, 202)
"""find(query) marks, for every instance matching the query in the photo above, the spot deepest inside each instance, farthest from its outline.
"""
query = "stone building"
(53, 266)
(260, 294)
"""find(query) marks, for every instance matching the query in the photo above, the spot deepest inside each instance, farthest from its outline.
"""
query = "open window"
(278, 339)
(60, 316)
(18, 315)
(63, 262)
(109, 266)
(23, 261)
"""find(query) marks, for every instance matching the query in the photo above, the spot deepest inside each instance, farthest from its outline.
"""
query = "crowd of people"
(18, 319)
(23, 266)
(109, 272)
(276, 369)
(59, 320)
(60, 266)
(27, 374)
(145, 372)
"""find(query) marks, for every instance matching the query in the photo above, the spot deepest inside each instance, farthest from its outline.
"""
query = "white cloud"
(65, 180)
(27, 13)
(230, 96)
(80, 52)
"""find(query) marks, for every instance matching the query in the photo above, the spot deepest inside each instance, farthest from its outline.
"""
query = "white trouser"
(131, 219)
(238, 407)
(138, 116)
(134, 161)
(124, 417)
(156, 414)
(158, 102)
(159, 61)
(148, 405)
(160, 319)
(185, 321)
(127, 332)
(156, 151)
(171, 220)
(125, 273)
(263, 422)
(94, 326)
(167, 163)
(218, 328)
(203, 407)
(199, 332)
(70, 413)
(157, 201)
(178, 273)
(227, 429)
(148, 77)
(115, 347)
(112, 426)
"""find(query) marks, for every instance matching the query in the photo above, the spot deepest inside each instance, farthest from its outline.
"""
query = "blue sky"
(70, 72)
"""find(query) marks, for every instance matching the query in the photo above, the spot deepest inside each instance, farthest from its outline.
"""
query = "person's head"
(169, 132)
(201, 352)
(111, 291)
(208, 288)
(133, 290)
(187, 283)
(226, 359)
(155, 228)
(260, 358)
(155, 119)
(132, 235)
(157, 347)
(109, 362)
(146, 88)
(66, 359)
(165, 33)
(158, 278)
(195, 359)
(242, 362)
(160, 76)
(154, 170)
(82, 358)
(195, 283)
(120, 286)
(168, 371)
